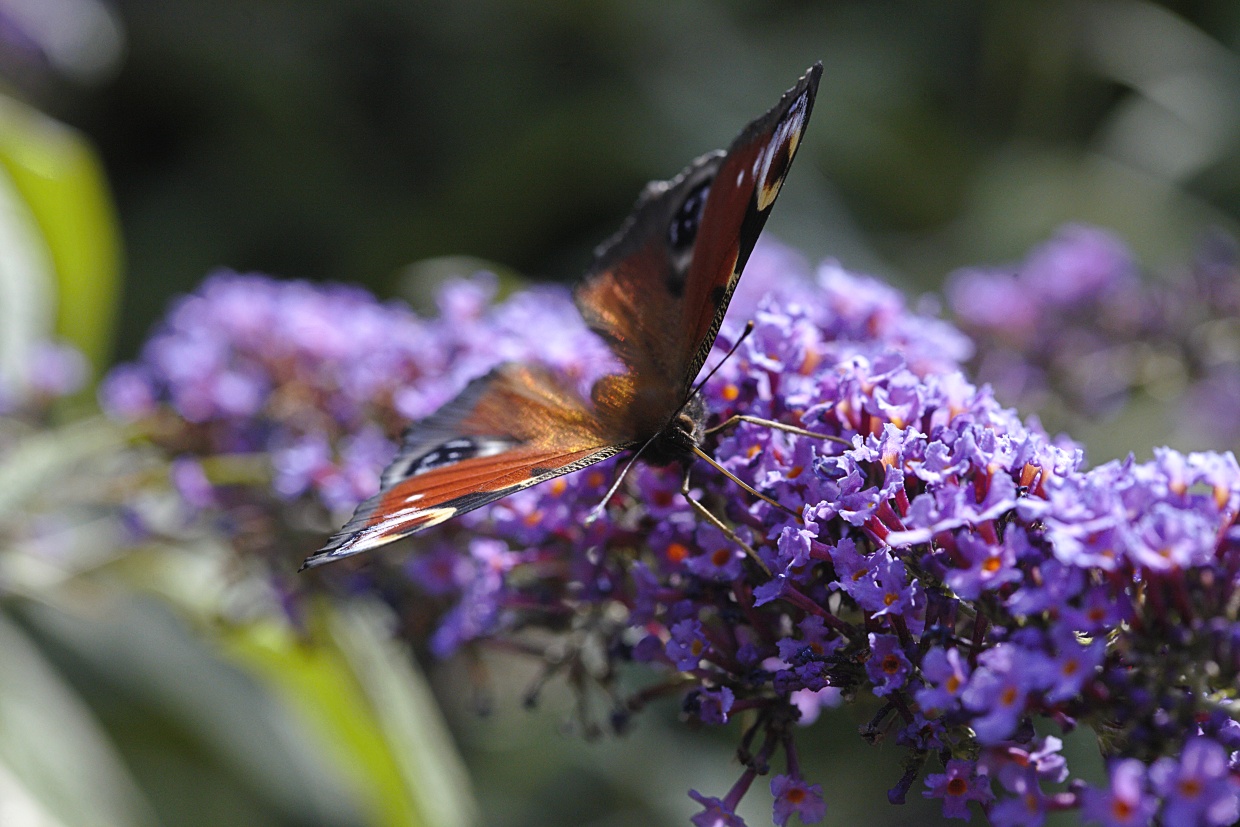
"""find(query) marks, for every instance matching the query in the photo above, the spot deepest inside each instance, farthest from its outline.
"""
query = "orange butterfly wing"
(508, 430)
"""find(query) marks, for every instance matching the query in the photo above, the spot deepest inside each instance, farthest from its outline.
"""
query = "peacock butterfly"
(657, 294)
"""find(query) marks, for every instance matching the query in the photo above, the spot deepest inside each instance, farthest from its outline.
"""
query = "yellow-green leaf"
(371, 711)
(61, 180)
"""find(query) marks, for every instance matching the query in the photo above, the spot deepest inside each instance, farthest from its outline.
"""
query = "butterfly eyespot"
(683, 230)
(454, 451)
(445, 454)
(773, 163)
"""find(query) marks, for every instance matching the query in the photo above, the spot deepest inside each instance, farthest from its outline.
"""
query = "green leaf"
(57, 766)
(206, 742)
(371, 709)
(62, 183)
(409, 715)
(26, 288)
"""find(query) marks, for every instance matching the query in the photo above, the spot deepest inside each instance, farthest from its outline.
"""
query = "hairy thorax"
(678, 439)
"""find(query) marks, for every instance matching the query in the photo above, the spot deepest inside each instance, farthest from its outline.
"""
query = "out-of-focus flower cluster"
(319, 381)
(1074, 330)
(934, 554)
(50, 370)
(78, 39)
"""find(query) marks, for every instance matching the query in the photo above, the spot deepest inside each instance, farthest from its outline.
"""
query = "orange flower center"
(677, 552)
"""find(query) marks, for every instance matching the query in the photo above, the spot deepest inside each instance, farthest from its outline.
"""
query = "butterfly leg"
(719, 524)
(779, 426)
(711, 462)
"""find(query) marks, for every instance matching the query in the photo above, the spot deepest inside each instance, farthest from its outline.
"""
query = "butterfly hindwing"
(510, 429)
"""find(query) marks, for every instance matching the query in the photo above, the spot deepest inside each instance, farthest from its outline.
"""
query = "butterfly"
(657, 294)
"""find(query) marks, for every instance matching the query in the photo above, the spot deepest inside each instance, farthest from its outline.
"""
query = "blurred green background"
(345, 140)
(376, 141)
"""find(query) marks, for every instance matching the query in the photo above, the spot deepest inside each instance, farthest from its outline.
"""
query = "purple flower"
(301, 466)
(1125, 803)
(927, 544)
(888, 667)
(190, 481)
(57, 370)
(718, 558)
(794, 548)
(815, 641)
(811, 702)
(715, 813)
(1052, 320)
(947, 674)
(793, 796)
(983, 566)
(1094, 611)
(128, 393)
(687, 645)
(440, 571)
(959, 785)
(777, 587)
(1079, 264)
(1073, 664)
(1198, 788)
(263, 365)
(479, 609)
(1166, 537)
(713, 705)
(997, 691)
(886, 588)
(1026, 807)
(38, 373)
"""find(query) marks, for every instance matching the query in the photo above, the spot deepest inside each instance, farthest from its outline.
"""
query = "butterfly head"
(685, 432)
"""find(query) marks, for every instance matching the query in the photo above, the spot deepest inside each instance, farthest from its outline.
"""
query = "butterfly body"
(657, 294)
(674, 444)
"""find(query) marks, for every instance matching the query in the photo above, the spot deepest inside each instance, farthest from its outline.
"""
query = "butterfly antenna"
(744, 335)
(597, 511)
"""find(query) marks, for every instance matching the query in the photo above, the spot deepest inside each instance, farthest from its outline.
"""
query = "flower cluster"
(920, 545)
(49, 371)
(322, 379)
(1073, 330)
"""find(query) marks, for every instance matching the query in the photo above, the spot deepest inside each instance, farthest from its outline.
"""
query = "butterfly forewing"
(508, 430)
(741, 195)
(660, 288)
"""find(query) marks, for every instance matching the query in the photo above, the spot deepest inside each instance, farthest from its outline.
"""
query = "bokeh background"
(347, 140)
(394, 143)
